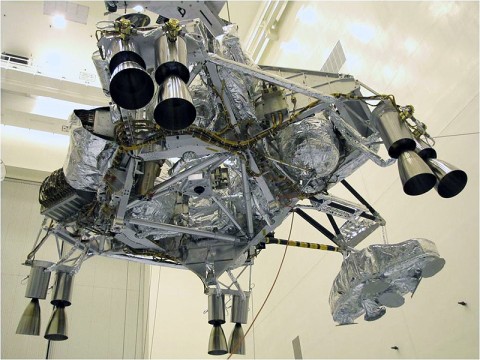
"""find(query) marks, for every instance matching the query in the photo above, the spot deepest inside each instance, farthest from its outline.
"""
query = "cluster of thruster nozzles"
(37, 288)
(132, 88)
(419, 168)
(57, 329)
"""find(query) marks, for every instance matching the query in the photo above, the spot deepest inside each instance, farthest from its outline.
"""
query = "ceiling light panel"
(70, 10)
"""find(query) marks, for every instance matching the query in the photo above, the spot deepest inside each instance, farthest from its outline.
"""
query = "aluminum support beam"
(183, 230)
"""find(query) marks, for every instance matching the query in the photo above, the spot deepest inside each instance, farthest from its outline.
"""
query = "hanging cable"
(125, 318)
(269, 292)
(147, 320)
(140, 280)
(155, 313)
(47, 355)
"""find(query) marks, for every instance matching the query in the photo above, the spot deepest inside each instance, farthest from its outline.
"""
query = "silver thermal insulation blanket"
(380, 275)
(311, 145)
(88, 159)
(357, 229)
(104, 75)
(206, 214)
(209, 115)
(237, 86)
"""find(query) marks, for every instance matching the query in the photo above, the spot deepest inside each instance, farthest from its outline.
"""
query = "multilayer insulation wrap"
(357, 229)
(310, 145)
(208, 112)
(159, 210)
(380, 275)
(206, 214)
(237, 85)
(104, 75)
(88, 159)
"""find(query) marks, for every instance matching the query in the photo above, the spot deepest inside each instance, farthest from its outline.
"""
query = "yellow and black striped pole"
(302, 244)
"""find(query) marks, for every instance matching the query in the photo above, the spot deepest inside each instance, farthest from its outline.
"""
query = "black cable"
(452, 135)
(125, 315)
(47, 355)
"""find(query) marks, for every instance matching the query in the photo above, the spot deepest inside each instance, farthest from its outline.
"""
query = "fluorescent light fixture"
(56, 108)
(443, 9)
(22, 136)
(363, 32)
(354, 63)
(410, 45)
(388, 72)
(59, 22)
(307, 15)
(138, 8)
(293, 46)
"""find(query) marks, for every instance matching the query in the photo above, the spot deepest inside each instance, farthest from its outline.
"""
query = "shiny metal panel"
(62, 290)
(416, 176)
(424, 150)
(57, 328)
(395, 134)
(237, 341)
(130, 86)
(239, 309)
(216, 309)
(118, 45)
(30, 321)
(217, 344)
(451, 181)
(37, 283)
(171, 59)
(175, 110)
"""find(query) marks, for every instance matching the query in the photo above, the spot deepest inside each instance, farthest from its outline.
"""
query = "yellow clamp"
(172, 28)
(124, 27)
(407, 112)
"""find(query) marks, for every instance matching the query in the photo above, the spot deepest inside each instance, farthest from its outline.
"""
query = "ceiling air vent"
(15, 58)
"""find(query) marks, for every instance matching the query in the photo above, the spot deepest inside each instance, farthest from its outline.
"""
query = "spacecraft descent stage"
(201, 154)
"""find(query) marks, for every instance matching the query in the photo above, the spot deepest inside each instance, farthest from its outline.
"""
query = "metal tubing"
(66, 237)
(175, 110)
(248, 198)
(367, 87)
(235, 282)
(302, 244)
(396, 136)
(216, 309)
(143, 260)
(62, 291)
(239, 312)
(271, 78)
(184, 230)
(229, 215)
(38, 282)
(186, 173)
(171, 58)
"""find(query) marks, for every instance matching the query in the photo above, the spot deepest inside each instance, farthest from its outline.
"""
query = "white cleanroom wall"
(106, 318)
